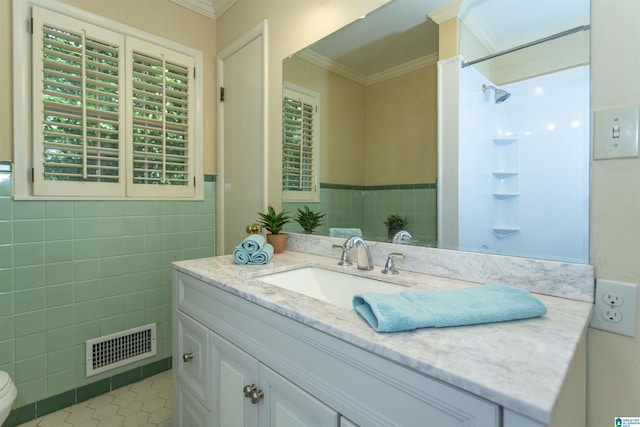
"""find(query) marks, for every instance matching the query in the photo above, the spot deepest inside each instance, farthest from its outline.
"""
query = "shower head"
(500, 94)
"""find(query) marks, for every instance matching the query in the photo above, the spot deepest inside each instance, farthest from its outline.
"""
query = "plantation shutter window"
(78, 125)
(161, 123)
(300, 146)
(115, 112)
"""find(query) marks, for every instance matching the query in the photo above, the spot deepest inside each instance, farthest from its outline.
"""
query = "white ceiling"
(394, 34)
(400, 32)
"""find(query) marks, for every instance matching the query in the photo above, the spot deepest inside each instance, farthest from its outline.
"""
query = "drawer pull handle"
(187, 357)
(252, 393)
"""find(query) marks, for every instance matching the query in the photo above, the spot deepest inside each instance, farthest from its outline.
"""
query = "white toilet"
(8, 393)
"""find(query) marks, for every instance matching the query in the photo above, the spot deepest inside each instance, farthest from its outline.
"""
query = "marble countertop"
(520, 365)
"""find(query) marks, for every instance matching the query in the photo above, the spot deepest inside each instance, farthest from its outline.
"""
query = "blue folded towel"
(344, 232)
(253, 243)
(253, 250)
(240, 255)
(263, 256)
(406, 311)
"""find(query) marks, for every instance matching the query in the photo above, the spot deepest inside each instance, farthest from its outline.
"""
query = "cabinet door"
(193, 362)
(189, 412)
(287, 405)
(233, 369)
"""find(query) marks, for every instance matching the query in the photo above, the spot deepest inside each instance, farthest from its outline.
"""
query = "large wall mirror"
(485, 151)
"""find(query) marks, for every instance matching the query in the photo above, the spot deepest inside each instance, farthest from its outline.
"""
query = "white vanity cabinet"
(248, 393)
(306, 377)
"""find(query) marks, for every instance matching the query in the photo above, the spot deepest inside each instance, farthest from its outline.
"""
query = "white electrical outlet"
(615, 307)
(611, 298)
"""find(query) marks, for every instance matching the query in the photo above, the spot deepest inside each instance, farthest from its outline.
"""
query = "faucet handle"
(402, 236)
(390, 266)
(344, 259)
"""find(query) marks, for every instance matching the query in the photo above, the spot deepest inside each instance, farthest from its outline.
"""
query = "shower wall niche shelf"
(505, 187)
(504, 232)
(501, 196)
(503, 175)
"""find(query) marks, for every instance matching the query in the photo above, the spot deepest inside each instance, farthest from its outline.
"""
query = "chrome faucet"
(390, 266)
(363, 264)
(402, 236)
(344, 259)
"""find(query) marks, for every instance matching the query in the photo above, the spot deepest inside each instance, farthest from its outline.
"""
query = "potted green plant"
(273, 222)
(394, 224)
(309, 220)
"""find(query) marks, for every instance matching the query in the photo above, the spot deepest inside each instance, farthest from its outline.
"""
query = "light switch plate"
(615, 133)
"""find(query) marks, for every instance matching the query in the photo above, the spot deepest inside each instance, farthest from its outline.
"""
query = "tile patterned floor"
(148, 403)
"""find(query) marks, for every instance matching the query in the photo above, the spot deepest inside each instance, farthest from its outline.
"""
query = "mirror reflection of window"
(300, 144)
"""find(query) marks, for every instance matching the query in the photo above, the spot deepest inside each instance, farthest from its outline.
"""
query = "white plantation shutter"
(78, 127)
(300, 140)
(113, 115)
(161, 124)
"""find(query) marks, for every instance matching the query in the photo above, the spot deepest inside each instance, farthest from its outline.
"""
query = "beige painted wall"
(170, 21)
(448, 40)
(544, 58)
(402, 129)
(381, 134)
(6, 91)
(342, 120)
(613, 375)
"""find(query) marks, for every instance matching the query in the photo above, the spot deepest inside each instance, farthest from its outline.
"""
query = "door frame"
(259, 30)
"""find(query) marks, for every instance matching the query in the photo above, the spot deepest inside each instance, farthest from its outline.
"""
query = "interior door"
(241, 139)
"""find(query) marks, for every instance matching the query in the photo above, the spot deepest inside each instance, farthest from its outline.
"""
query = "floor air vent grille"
(119, 349)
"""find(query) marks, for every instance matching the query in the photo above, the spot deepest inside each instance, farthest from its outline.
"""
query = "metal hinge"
(33, 175)
(31, 26)
(221, 94)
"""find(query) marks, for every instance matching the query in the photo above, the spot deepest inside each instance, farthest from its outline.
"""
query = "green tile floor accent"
(51, 404)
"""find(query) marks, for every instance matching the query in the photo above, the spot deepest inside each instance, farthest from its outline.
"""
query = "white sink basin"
(328, 285)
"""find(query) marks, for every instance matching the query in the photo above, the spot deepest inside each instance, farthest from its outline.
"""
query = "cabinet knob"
(248, 389)
(187, 357)
(252, 393)
(256, 396)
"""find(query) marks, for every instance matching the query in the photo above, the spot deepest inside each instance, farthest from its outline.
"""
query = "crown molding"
(333, 66)
(405, 68)
(470, 20)
(211, 8)
(344, 71)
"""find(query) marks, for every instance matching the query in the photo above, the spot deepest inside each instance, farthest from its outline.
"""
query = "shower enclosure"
(515, 173)
(523, 165)
(514, 131)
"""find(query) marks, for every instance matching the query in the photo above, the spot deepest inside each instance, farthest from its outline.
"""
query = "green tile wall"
(368, 207)
(74, 270)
